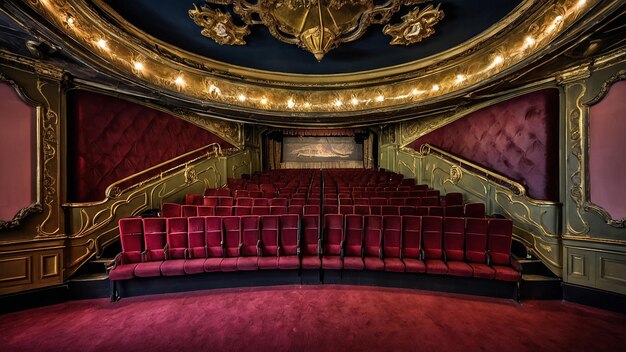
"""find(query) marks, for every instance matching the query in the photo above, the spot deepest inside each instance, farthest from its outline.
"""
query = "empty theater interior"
(312, 175)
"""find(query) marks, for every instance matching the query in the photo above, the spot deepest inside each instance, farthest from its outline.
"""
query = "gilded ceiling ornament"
(317, 26)
(219, 26)
(415, 26)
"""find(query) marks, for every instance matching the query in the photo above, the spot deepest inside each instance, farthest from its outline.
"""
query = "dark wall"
(518, 138)
(110, 139)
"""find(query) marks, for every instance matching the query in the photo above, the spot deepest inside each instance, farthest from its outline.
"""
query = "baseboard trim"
(595, 298)
(34, 298)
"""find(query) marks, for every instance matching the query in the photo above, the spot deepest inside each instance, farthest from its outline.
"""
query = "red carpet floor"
(313, 318)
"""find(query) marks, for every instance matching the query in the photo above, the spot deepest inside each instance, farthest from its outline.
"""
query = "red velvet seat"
(243, 201)
(311, 209)
(333, 241)
(196, 244)
(278, 210)
(226, 201)
(214, 237)
(193, 199)
(390, 210)
(260, 202)
(453, 198)
(176, 238)
(362, 209)
(211, 201)
(422, 210)
(154, 230)
(378, 201)
(453, 247)
(360, 201)
(431, 201)
(232, 241)
(278, 202)
(373, 242)
(432, 234)
(206, 210)
(392, 243)
(454, 211)
(435, 211)
(397, 201)
(353, 243)
(475, 210)
(171, 210)
(346, 209)
(331, 209)
(375, 209)
(289, 241)
(250, 246)
(224, 211)
(256, 194)
(310, 242)
(260, 210)
(476, 247)
(131, 239)
(499, 239)
(222, 192)
(241, 210)
(413, 201)
(189, 210)
(412, 244)
(295, 209)
(269, 242)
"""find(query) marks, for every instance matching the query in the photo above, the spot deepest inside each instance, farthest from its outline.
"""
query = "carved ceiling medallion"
(317, 26)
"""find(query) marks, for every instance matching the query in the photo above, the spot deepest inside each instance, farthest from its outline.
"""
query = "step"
(90, 277)
(89, 286)
(534, 286)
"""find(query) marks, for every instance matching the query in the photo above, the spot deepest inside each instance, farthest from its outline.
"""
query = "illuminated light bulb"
(290, 103)
(102, 44)
(581, 3)
(435, 87)
(338, 103)
(307, 104)
(415, 91)
(264, 101)
(498, 60)
(241, 97)
(138, 66)
(558, 19)
(70, 20)
(354, 101)
(380, 98)
(180, 81)
(528, 41)
(460, 78)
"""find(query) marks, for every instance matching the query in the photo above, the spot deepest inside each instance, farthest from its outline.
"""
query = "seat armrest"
(445, 257)
(144, 256)
(165, 252)
(488, 257)
(422, 254)
(319, 247)
(116, 261)
(258, 248)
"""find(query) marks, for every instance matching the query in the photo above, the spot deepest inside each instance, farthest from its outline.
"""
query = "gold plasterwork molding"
(317, 26)
(456, 175)
(416, 25)
(486, 58)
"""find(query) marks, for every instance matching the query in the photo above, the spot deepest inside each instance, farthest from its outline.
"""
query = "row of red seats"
(429, 244)
(473, 210)
(194, 199)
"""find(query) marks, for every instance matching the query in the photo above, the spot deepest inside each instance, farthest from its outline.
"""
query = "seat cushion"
(394, 264)
(332, 262)
(482, 271)
(311, 262)
(456, 268)
(122, 272)
(268, 263)
(436, 267)
(229, 264)
(289, 262)
(414, 265)
(247, 263)
(212, 265)
(194, 266)
(353, 263)
(506, 273)
(148, 269)
(374, 263)
(173, 267)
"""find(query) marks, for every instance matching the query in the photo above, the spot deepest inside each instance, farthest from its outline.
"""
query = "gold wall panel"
(29, 265)
(16, 269)
(50, 265)
(597, 265)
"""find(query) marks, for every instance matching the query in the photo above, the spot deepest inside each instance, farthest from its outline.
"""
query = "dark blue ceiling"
(169, 21)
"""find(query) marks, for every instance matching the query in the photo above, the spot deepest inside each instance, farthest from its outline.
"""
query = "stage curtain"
(341, 132)
(344, 164)
(274, 149)
(368, 152)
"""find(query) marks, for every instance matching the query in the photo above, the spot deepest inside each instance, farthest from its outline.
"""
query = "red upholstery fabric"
(232, 233)
(372, 242)
(189, 210)
(459, 269)
(482, 271)
(122, 272)
(476, 240)
(454, 238)
(517, 138)
(289, 230)
(475, 210)
(111, 139)
(432, 227)
(171, 210)
(131, 238)
(310, 235)
(250, 231)
(354, 263)
(148, 269)
(176, 247)
(213, 264)
(213, 236)
(332, 262)
(333, 234)
(505, 273)
(194, 266)
(414, 265)
(154, 238)
(499, 240)
(311, 262)
(436, 267)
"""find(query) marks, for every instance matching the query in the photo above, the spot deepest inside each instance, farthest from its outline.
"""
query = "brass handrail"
(515, 186)
(113, 190)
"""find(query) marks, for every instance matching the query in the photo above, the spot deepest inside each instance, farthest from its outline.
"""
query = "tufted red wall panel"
(517, 138)
(110, 139)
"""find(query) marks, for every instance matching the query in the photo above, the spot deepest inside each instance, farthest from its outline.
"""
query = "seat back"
(310, 234)
(232, 235)
(390, 210)
(189, 210)
(278, 202)
(372, 235)
(362, 209)
(295, 209)
(455, 211)
(154, 230)
(226, 201)
(311, 209)
(411, 236)
(475, 210)
(499, 239)
(250, 229)
(454, 238)
(176, 238)
(243, 201)
(432, 233)
(193, 199)
(430, 201)
(392, 236)
(196, 240)
(206, 210)
(211, 201)
(214, 236)
(289, 232)
(333, 234)
(270, 227)
(353, 242)
(171, 210)
(476, 240)
(131, 238)
(260, 202)
(435, 211)
(278, 210)
(260, 210)
(454, 198)
(346, 209)
(223, 211)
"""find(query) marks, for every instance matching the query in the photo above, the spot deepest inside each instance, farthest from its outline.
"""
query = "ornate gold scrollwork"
(456, 174)
(314, 25)
(415, 26)
(219, 26)
(191, 175)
